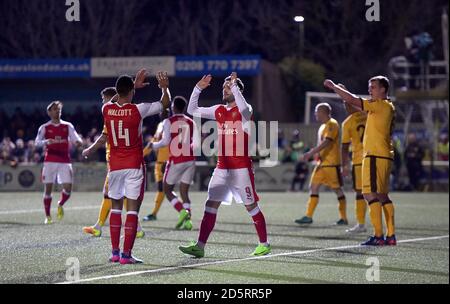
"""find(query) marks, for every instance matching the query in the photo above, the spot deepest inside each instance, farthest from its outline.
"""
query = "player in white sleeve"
(233, 176)
(126, 175)
(56, 136)
(179, 133)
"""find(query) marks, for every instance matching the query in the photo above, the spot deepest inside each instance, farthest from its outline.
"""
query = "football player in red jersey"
(55, 136)
(107, 95)
(126, 175)
(179, 134)
(233, 176)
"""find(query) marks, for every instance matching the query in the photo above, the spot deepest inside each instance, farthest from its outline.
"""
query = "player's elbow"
(246, 113)
(102, 140)
(354, 101)
(327, 143)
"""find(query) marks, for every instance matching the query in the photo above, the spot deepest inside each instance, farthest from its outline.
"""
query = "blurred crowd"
(19, 130)
(410, 157)
(291, 151)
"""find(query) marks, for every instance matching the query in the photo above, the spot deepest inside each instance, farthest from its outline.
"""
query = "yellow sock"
(125, 202)
(376, 217)
(158, 202)
(342, 207)
(360, 208)
(312, 204)
(388, 209)
(104, 211)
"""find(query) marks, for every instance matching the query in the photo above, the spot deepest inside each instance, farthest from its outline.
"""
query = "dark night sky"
(34, 28)
(337, 35)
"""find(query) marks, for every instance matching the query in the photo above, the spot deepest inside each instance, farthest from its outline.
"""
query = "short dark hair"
(179, 102)
(239, 83)
(109, 92)
(124, 85)
(382, 80)
(53, 103)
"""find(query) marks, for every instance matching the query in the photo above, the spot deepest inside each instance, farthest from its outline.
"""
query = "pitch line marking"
(40, 210)
(126, 274)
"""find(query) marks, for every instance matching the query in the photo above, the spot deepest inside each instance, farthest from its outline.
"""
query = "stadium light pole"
(300, 20)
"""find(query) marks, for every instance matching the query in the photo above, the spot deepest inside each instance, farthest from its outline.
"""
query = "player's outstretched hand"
(233, 77)
(204, 82)
(139, 82)
(329, 84)
(307, 156)
(86, 153)
(163, 80)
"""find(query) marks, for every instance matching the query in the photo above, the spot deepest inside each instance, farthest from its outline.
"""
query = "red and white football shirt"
(124, 125)
(62, 134)
(180, 135)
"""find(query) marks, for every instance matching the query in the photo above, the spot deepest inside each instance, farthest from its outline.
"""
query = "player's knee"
(167, 190)
(212, 204)
(314, 189)
(251, 207)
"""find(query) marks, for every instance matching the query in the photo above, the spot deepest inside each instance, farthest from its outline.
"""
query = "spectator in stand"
(18, 153)
(395, 181)
(7, 145)
(414, 155)
(297, 144)
(300, 174)
(289, 156)
(442, 148)
(282, 142)
(30, 149)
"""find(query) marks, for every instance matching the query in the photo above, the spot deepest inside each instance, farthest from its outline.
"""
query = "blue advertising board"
(45, 68)
(217, 65)
(185, 66)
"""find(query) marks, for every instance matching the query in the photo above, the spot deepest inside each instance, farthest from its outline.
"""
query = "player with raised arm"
(233, 175)
(328, 169)
(56, 135)
(180, 136)
(378, 154)
(126, 175)
(107, 94)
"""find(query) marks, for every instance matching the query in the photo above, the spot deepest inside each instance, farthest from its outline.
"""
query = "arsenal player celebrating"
(126, 175)
(55, 135)
(233, 176)
(180, 135)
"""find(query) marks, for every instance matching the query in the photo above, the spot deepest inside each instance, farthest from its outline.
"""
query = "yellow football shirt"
(379, 128)
(331, 155)
(105, 131)
(353, 133)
